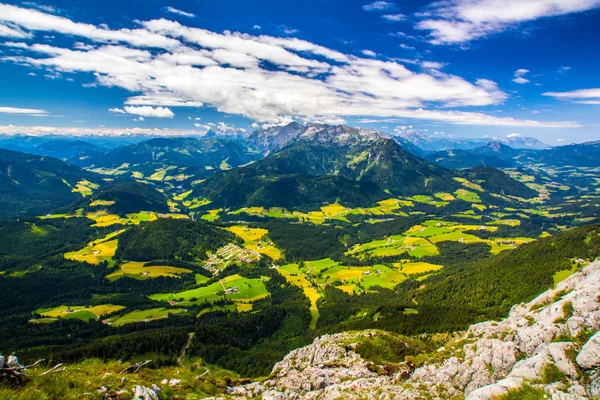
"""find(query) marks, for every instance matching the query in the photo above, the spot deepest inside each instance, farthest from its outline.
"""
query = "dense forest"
(171, 239)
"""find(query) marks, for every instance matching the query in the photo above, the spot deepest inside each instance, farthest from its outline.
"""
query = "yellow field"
(97, 203)
(253, 240)
(469, 184)
(212, 215)
(411, 268)
(99, 311)
(85, 187)
(102, 218)
(106, 219)
(182, 196)
(231, 278)
(296, 279)
(138, 270)
(445, 196)
(350, 273)
(94, 254)
(243, 307)
(347, 288)
(334, 209)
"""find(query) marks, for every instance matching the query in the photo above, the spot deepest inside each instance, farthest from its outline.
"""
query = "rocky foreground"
(551, 344)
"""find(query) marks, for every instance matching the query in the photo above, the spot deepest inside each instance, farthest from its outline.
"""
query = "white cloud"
(140, 119)
(42, 7)
(394, 17)
(161, 100)
(460, 21)
(116, 111)
(173, 10)
(581, 96)
(513, 135)
(369, 53)
(561, 140)
(101, 131)
(18, 45)
(257, 27)
(287, 30)
(406, 47)
(519, 76)
(147, 111)
(432, 65)
(226, 71)
(472, 118)
(12, 32)
(378, 6)
(16, 110)
(34, 20)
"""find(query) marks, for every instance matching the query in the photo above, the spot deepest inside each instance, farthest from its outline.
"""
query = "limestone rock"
(589, 356)
(144, 393)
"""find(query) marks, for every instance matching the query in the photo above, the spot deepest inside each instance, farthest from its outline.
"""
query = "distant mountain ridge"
(176, 157)
(577, 155)
(458, 159)
(440, 142)
(34, 185)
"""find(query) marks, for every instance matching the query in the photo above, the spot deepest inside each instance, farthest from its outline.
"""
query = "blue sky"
(462, 67)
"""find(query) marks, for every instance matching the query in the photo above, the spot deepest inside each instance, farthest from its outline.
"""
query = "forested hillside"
(171, 239)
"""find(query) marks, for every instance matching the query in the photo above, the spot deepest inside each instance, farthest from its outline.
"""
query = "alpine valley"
(298, 261)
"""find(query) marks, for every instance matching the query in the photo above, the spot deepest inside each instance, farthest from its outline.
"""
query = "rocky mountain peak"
(274, 138)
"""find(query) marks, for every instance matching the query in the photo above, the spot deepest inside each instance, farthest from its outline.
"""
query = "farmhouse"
(232, 290)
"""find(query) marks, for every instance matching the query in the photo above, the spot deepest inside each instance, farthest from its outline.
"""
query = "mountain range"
(321, 163)
(439, 142)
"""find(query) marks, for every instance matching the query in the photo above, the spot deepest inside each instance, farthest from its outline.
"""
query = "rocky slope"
(550, 347)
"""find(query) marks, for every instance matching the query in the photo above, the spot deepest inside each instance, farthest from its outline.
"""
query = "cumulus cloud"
(513, 135)
(378, 6)
(116, 111)
(581, 96)
(461, 21)
(519, 76)
(257, 27)
(147, 111)
(173, 10)
(196, 67)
